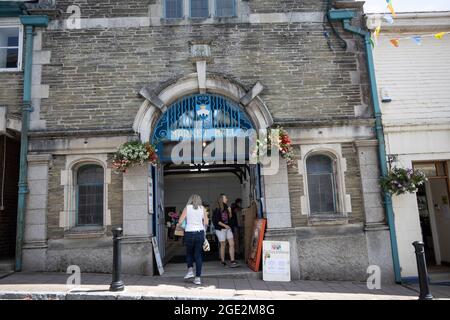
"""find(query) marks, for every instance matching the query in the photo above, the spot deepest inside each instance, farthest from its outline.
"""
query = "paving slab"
(52, 286)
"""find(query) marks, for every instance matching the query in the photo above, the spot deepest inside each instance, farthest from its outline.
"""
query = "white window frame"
(335, 188)
(343, 200)
(212, 11)
(76, 191)
(67, 218)
(19, 54)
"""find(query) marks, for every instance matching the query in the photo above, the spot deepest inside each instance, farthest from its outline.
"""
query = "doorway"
(204, 143)
(208, 181)
(434, 213)
(9, 178)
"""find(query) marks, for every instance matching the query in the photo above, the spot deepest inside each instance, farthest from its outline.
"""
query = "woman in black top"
(236, 209)
(221, 220)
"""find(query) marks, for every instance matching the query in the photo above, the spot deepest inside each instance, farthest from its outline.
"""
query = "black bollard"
(117, 284)
(425, 293)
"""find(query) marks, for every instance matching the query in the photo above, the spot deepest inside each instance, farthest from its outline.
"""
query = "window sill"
(327, 219)
(15, 70)
(85, 232)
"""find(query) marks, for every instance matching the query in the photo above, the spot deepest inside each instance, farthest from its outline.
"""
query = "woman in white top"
(194, 236)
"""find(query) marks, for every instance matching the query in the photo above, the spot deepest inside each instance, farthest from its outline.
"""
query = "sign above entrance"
(202, 117)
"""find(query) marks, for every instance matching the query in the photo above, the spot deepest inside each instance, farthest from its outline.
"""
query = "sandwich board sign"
(157, 256)
(276, 261)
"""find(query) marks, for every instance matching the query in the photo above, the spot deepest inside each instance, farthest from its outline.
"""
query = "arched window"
(321, 184)
(89, 195)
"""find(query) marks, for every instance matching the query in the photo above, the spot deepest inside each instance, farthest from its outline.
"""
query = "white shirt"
(194, 219)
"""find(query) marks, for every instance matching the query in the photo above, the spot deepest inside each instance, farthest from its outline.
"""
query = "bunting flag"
(372, 42)
(417, 40)
(377, 31)
(440, 35)
(388, 18)
(395, 42)
(391, 8)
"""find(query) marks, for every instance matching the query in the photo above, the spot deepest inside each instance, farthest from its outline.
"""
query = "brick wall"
(11, 88)
(270, 6)
(139, 8)
(94, 86)
(115, 196)
(55, 197)
(8, 216)
(107, 8)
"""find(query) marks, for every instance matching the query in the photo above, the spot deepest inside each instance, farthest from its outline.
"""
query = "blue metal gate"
(202, 117)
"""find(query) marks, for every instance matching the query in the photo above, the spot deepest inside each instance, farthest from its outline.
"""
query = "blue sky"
(408, 5)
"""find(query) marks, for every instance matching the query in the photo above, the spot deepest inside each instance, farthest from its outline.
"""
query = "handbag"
(206, 246)
(179, 231)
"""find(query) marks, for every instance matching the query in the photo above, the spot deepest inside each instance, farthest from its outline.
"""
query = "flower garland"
(400, 181)
(283, 143)
(285, 147)
(134, 153)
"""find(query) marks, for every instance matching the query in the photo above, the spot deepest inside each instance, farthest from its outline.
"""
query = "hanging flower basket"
(134, 153)
(285, 147)
(400, 181)
(283, 144)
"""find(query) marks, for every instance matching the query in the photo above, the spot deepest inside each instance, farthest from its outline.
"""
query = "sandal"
(234, 264)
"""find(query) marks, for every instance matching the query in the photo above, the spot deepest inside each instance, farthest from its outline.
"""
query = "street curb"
(17, 295)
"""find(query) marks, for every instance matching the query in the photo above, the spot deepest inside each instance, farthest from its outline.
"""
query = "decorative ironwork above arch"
(201, 117)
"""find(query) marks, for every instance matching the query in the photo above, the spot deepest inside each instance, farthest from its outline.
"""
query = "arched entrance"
(203, 142)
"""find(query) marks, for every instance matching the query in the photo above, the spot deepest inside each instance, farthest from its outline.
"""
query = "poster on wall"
(158, 259)
(254, 258)
(276, 261)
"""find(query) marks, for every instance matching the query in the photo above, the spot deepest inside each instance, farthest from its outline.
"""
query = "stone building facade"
(107, 78)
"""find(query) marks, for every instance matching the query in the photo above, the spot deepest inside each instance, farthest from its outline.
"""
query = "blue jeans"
(194, 250)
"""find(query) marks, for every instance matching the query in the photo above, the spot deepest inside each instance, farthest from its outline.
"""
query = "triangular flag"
(372, 42)
(439, 35)
(391, 7)
(377, 31)
(388, 18)
(417, 40)
(394, 42)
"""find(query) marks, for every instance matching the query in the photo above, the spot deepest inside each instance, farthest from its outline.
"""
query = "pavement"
(52, 286)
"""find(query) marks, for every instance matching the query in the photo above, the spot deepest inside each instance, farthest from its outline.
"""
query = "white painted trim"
(434, 232)
(136, 22)
(20, 51)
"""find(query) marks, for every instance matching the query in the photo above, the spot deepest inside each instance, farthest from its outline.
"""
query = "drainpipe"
(29, 23)
(345, 16)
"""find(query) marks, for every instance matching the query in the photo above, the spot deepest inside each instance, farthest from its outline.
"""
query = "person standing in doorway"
(221, 221)
(236, 209)
(194, 236)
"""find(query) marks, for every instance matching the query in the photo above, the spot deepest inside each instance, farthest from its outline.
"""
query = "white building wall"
(417, 120)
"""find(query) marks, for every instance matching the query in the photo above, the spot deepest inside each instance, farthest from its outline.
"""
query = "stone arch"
(156, 102)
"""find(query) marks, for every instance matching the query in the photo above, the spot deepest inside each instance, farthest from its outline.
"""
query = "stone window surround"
(343, 202)
(187, 10)
(14, 23)
(67, 217)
